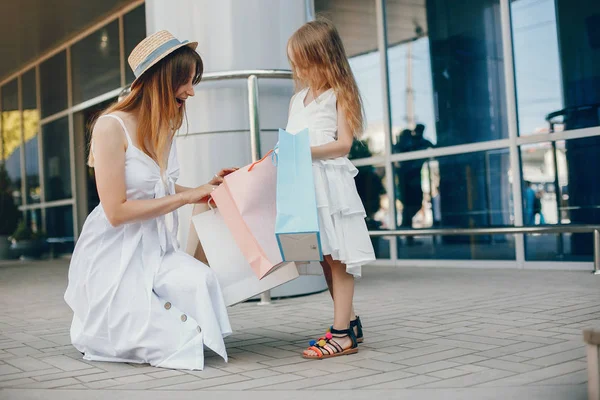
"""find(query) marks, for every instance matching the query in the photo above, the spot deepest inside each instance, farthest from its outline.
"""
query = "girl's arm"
(341, 147)
(109, 160)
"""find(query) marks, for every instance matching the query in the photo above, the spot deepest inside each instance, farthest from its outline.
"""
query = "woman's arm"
(341, 147)
(109, 165)
(216, 180)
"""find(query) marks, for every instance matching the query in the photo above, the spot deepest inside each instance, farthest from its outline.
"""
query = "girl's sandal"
(355, 323)
(328, 347)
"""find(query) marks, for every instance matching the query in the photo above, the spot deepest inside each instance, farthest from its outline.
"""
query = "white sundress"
(135, 296)
(344, 233)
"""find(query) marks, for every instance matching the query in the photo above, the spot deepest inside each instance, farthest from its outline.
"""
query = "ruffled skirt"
(344, 233)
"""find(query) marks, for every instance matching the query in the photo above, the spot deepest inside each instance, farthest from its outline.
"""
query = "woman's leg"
(192, 287)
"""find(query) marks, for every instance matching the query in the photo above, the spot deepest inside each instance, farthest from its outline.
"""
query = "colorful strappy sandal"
(322, 351)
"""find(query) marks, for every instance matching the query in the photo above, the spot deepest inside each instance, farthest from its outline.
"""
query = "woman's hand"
(218, 178)
(201, 194)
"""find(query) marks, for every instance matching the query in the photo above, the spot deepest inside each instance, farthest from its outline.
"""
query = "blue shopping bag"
(297, 222)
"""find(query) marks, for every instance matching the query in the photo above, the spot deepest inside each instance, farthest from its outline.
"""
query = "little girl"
(329, 105)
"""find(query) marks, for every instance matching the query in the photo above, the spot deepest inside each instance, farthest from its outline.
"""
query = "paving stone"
(448, 373)
(28, 364)
(540, 374)
(444, 328)
(475, 378)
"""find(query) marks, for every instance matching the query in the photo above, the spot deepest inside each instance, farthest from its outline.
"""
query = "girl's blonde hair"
(153, 94)
(318, 52)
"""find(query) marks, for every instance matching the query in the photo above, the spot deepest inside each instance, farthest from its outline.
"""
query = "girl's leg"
(343, 292)
(329, 279)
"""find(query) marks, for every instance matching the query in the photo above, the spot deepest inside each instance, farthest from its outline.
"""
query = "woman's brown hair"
(153, 94)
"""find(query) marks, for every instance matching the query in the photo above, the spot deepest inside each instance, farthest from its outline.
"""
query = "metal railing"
(504, 230)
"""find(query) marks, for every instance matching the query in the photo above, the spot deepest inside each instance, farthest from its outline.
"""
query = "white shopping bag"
(309, 268)
(237, 279)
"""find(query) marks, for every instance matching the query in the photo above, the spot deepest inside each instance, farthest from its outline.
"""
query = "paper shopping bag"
(194, 247)
(297, 222)
(247, 203)
(237, 279)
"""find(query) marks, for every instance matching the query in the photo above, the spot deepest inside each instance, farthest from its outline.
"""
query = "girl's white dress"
(344, 233)
(135, 296)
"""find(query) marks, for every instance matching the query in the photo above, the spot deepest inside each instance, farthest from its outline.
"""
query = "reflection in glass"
(11, 137)
(59, 221)
(446, 70)
(537, 65)
(370, 183)
(57, 161)
(95, 60)
(34, 220)
(540, 182)
(410, 73)
(134, 28)
(31, 119)
(557, 63)
(366, 71)
(562, 175)
(579, 49)
(53, 84)
(459, 191)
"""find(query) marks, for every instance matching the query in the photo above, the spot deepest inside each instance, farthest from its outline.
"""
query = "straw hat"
(153, 49)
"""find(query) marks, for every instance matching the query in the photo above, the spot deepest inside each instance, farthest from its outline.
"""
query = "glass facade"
(95, 63)
(450, 133)
(480, 113)
(45, 130)
(11, 136)
(31, 125)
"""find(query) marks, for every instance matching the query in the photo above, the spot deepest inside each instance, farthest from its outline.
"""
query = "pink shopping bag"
(246, 201)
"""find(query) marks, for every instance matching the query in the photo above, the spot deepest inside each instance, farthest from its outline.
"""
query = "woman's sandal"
(355, 323)
(328, 347)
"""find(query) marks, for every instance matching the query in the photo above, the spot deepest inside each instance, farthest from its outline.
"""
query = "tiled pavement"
(430, 333)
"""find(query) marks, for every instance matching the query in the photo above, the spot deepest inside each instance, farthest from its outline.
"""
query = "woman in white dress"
(135, 295)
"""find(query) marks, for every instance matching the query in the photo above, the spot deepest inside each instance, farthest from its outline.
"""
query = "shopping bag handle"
(208, 203)
(259, 161)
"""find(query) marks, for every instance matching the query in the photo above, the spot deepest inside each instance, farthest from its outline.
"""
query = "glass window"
(459, 191)
(53, 84)
(134, 24)
(446, 72)
(59, 222)
(57, 161)
(96, 67)
(559, 188)
(34, 220)
(357, 25)
(370, 183)
(537, 66)
(557, 62)
(31, 119)
(11, 136)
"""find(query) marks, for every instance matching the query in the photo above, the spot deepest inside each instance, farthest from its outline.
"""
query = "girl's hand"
(201, 194)
(218, 178)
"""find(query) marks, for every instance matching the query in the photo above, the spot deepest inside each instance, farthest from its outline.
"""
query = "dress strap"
(129, 142)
